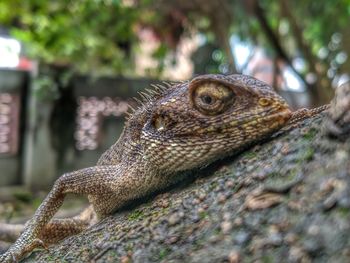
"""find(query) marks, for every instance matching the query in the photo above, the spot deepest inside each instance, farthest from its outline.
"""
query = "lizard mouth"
(270, 123)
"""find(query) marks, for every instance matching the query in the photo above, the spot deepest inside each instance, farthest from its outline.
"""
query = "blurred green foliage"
(102, 35)
(92, 35)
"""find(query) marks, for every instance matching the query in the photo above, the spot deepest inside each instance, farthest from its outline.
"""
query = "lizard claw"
(16, 253)
(39, 243)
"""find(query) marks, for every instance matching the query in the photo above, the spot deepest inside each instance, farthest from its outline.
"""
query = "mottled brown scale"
(183, 127)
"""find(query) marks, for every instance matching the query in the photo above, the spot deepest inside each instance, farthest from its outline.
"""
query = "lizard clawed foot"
(16, 252)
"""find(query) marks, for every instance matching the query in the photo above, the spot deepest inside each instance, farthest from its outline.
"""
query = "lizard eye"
(212, 98)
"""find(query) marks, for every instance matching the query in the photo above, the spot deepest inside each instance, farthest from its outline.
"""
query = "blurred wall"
(69, 133)
(13, 96)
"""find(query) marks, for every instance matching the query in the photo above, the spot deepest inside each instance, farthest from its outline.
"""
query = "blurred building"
(15, 70)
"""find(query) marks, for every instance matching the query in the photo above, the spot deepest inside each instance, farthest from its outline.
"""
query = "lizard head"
(194, 123)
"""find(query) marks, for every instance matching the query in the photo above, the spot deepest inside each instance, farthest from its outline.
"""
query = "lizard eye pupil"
(207, 99)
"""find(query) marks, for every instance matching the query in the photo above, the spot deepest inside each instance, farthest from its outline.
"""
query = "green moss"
(129, 246)
(217, 231)
(293, 173)
(203, 215)
(136, 215)
(343, 212)
(267, 259)
(50, 258)
(198, 244)
(249, 155)
(307, 155)
(213, 185)
(310, 134)
(273, 175)
(163, 253)
(282, 180)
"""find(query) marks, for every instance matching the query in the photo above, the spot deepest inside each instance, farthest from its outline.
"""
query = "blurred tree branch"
(253, 7)
(320, 90)
(220, 16)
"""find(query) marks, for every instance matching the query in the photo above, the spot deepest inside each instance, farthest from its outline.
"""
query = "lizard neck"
(127, 151)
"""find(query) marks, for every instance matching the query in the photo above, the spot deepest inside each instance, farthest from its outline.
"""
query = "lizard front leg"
(103, 184)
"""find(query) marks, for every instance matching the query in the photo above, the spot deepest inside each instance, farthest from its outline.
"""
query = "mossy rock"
(284, 200)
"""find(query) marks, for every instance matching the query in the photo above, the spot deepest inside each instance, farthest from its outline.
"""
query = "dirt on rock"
(284, 200)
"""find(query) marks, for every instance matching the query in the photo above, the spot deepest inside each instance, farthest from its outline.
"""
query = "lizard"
(175, 129)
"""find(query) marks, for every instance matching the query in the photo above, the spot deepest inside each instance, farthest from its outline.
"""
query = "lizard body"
(176, 129)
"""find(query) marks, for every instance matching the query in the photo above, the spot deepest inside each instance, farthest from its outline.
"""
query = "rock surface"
(285, 200)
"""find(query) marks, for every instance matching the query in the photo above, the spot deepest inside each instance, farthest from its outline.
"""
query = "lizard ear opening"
(210, 97)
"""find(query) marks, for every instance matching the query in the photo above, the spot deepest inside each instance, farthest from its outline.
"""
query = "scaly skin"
(176, 129)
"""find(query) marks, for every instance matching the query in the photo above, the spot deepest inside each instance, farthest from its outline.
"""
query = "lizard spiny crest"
(150, 94)
(154, 93)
